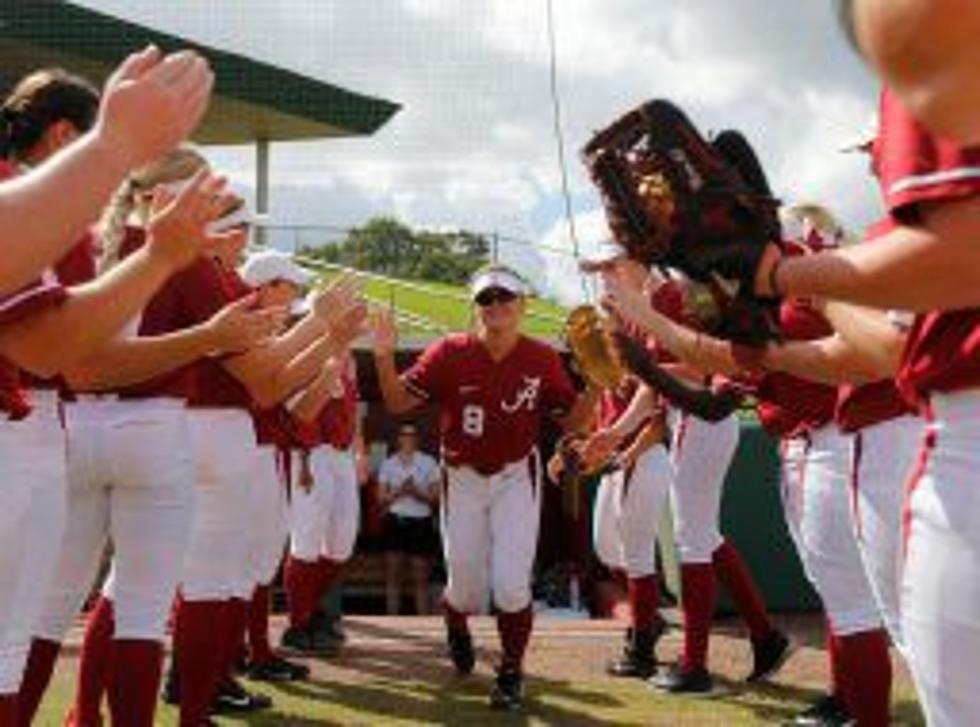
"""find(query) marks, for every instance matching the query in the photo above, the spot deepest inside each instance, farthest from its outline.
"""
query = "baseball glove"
(596, 357)
(674, 199)
(574, 467)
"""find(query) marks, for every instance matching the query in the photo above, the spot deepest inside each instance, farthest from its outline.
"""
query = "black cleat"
(638, 659)
(769, 655)
(508, 690)
(828, 711)
(304, 640)
(234, 698)
(676, 680)
(278, 670)
(461, 652)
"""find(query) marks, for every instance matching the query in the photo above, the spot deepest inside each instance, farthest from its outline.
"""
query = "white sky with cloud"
(473, 146)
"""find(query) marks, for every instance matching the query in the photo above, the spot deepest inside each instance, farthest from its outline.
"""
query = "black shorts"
(412, 535)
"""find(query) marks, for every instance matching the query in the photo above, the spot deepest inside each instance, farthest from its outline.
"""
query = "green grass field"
(447, 307)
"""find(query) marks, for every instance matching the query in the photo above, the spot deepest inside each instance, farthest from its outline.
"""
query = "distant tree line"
(386, 246)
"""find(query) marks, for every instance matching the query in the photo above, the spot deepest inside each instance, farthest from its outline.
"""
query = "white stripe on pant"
(32, 519)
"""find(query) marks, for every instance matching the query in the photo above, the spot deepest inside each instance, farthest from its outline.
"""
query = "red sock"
(134, 681)
(733, 574)
(37, 675)
(455, 620)
(94, 665)
(8, 710)
(236, 621)
(835, 664)
(515, 632)
(866, 671)
(698, 607)
(301, 587)
(258, 626)
(198, 651)
(327, 572)
(644, 598)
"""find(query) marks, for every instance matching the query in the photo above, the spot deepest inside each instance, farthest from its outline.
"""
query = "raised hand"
(239, 326)
(333, 299)
(601, 446)
(178, 227)
(153, 102)
(384, 331)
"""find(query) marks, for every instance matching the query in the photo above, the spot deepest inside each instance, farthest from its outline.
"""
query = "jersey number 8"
(473, 417)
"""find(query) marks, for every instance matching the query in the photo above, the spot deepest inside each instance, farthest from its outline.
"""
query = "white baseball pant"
(817, 508)
(490, 535)
(268, 528)
(325, 518)
(940, 600)
(702, 453)
(32, 519)
(129, 481)
(215, 566)
(883, 458)
(627, 512)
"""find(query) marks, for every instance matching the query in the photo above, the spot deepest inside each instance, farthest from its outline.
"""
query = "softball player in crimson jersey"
(85, 319)
(325, 510)
(701, 453)
(815, 493)
(493, 388)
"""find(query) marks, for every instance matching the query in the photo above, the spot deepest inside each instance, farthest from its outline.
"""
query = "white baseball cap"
(266, 266)
(497, 277)
(607, 251)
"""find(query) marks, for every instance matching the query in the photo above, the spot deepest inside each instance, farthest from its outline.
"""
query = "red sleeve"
(427, 378)
(668, 300)
(31, 299)
(916, 166)
(78, 266)
(558, 395)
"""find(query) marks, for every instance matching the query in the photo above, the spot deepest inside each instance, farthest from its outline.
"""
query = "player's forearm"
(76, 182)
(827, 361)
(932, 267)
(94, 313)
(397, 398)
(636, 412)
(314, 397)
(698, 350)
(299, 337)
(871, 334)
(124, 362)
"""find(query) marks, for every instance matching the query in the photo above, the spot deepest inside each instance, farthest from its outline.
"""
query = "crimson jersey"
(859, 407)
(336, 424)
(490, 411)
(915, 167)
(789, 406)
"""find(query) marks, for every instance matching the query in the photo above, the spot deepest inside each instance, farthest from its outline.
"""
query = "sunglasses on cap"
(494, 295)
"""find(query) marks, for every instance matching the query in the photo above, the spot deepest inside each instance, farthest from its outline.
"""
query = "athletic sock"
(134, 681)
(697, 607)
(41, 661)
(644, 599)
(198, 651)
(94, 665)
(515, 632)
(327, 571)
(236, 622)
(301, 587)
(733, 574)
(866, 668)
(8, 710)
(260, 651)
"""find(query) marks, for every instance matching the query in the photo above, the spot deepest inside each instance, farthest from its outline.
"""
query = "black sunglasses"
(494, 295)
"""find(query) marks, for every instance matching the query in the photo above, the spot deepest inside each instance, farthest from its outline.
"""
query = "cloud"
(474, 146)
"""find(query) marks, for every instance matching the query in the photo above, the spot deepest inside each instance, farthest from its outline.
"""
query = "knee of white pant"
(464, 597)
(609, 555)
(640, 564)
(13, 659)
(141, 615)
(512, 597)
(57, 615)
(698, 547)
(305, 546)
(860, 618)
